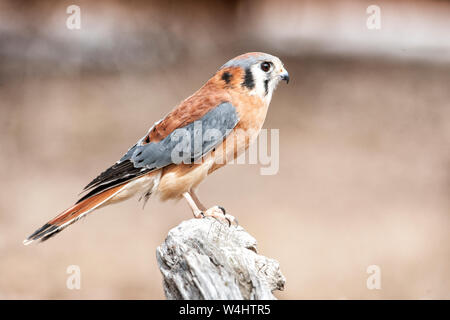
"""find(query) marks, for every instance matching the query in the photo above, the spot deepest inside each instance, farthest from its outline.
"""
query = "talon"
(231, 220)
(198, 214)
(219, 213)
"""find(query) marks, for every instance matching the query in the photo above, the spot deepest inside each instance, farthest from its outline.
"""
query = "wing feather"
(188, 142)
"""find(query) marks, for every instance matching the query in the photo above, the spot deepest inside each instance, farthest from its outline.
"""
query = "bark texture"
(207, 259)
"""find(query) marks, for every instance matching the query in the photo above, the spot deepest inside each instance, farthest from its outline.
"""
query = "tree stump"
(207, 259)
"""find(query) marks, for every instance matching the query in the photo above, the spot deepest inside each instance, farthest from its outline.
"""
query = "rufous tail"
(73, 214)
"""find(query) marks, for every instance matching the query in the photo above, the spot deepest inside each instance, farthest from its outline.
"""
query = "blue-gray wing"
(183, 145)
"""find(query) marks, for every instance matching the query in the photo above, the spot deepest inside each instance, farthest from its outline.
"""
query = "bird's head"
(257, 72)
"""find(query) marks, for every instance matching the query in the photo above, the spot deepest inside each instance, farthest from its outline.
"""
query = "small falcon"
(187, 145)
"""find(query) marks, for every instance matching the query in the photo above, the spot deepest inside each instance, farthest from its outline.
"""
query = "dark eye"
(265, 66)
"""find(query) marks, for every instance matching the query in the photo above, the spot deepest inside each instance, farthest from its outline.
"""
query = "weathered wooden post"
(207, 259)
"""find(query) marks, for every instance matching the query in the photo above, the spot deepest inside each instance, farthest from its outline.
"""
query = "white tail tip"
(27, 242)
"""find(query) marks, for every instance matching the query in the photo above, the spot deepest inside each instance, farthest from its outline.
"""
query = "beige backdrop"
(364, 173)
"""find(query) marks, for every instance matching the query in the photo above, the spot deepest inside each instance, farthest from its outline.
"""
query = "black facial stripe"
(266, 86)
(248, 80)
(226, 76)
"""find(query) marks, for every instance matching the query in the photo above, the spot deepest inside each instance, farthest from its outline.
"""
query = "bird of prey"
(188, 144)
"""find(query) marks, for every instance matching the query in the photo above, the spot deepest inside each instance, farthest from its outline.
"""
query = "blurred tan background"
(364, 174)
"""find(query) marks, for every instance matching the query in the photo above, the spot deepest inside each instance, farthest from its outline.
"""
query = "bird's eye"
(265, 66)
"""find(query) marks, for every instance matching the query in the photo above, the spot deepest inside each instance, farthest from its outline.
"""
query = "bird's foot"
(219, 213)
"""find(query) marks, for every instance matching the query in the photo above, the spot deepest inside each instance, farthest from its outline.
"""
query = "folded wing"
(184, 144)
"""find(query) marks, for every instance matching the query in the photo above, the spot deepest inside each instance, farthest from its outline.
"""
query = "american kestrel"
(188, 144)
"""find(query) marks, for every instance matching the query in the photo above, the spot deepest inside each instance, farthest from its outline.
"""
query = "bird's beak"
(284, 75)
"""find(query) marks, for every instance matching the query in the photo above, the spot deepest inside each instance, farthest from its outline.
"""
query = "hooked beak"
(285, 76)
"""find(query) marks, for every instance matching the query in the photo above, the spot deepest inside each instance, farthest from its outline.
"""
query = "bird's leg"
(216, 212)
(196, 200)
(195, 209)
